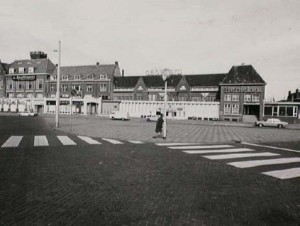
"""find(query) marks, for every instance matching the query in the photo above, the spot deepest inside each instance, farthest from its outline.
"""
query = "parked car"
(119, 115)
(29, 113)
(152, 118)
(275, 122)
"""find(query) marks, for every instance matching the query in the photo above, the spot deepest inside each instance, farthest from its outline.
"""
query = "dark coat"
(159, 125)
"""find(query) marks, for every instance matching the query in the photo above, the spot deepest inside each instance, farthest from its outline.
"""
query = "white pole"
(165, 111)
(58, 88)
(71, 104)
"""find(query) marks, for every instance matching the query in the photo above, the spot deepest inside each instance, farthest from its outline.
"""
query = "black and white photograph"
(150, 113)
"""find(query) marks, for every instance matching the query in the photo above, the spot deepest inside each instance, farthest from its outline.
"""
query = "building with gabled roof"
(3, 72)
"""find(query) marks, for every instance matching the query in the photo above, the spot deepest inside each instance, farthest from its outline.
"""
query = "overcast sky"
(196, 36)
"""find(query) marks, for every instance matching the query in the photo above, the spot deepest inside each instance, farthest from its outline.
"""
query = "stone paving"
(178, 131)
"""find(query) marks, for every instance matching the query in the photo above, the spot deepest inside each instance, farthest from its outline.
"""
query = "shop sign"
(24, 78)
(243, 89)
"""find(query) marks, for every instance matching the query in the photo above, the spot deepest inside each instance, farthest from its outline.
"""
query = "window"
(77, 87)
(29, 85)
(235, 109)
(89, 88)
(19, 85)
(275, 111)
(282, 111)
(64, 87)
(52, 87)
(10, 84)
(53, 78)
(77, 77)
(31, 69)
(235, 97)
(268, 110)
(65, 77)
(227, 109)
(103, 76)
(39, 84)
(227, 97)
(11, 71)
(21, 70)
(103, 87)
(90, 76)
(247, 98)
(255, 98)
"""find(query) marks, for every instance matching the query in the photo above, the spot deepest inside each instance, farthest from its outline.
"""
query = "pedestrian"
(159, 126)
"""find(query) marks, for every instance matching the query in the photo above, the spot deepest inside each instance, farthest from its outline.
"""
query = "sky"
(194, 36)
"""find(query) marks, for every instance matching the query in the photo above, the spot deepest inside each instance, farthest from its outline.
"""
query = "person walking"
(159, 126)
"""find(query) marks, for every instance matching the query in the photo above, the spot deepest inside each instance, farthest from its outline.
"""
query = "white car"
(119, 115)
(152, 118)
(275, 122)
(29, 113)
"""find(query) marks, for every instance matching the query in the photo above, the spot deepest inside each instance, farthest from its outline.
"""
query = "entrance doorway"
(251, 110)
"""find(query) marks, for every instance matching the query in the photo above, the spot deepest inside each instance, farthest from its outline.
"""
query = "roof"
(3, 68)
(86, 69)
(153, 81)
(205, 79)
(40, 65)
(126, 81)
(244, 74)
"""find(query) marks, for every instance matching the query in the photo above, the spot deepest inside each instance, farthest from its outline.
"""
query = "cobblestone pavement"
(178, 131)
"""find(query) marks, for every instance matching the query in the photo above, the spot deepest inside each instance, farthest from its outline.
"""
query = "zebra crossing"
(43, 141)
(230, 153)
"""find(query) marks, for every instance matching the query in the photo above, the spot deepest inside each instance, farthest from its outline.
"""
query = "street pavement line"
(135, 141)
(266, 146)
(112, 141)
(66, 140)
(202, 147)
(174, 144)
(12, 141)
(232, 150)
(232, 156)
(248, 164)
(88, 140)
(40, 141)
(284, 174)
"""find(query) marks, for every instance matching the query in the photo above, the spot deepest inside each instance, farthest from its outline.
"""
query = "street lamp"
(165, 75)
(58, 87)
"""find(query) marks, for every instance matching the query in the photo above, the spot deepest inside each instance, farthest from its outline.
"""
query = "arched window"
(90, 77)
(103, 76)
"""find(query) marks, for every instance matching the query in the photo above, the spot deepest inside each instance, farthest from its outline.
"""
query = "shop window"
(282, 111)
(275, 111)
(235, 109)
(235, 97)
(227, 97)
(268, 110)
(289, 111)
(227, 109)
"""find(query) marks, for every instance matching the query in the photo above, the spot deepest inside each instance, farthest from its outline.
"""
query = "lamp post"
(58, 88)
(165, 75)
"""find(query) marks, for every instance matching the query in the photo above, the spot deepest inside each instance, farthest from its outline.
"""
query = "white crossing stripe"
(112, 141)
(135, 142)
(232, 150)
(40, 141)
(202, 147)
(232, 156)
(12, 141)
(174, 144)
(89, 140)
(248, 164)
(66, 140)
(284, 174)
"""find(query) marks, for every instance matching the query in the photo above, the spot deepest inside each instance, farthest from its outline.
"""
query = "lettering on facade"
(243, 89)
(24, 78)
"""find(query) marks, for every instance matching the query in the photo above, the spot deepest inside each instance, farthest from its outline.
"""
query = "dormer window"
(77, 77)
(21, 70)
(31, 70)
(65, 77)
(90, 76)
(52, 78)
(11, 71)
(103, 76)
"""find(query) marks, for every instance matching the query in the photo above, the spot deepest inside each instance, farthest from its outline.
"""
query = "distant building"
(3, 72)
(294, 97)
(27, 78)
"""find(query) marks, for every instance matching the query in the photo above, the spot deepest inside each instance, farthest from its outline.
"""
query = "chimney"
(122, 72)
(97, 63)
(116, 63)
